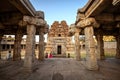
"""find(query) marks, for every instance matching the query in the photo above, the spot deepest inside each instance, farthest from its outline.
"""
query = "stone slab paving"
(62, 69)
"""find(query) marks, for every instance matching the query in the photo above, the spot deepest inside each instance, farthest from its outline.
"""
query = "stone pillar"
(30, 48)
(118, 47)
(88, 24)
(1, 35)
(41, 45)
(100, 46)
(17, 45)
(77, 44)
(91, 61)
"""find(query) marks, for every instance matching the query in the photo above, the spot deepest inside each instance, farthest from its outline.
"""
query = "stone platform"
(61, 69)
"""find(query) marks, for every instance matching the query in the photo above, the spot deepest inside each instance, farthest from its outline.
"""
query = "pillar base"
(102, 58)
(91, 66)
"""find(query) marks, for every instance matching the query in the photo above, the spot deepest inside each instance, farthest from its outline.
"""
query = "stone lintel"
(87, 22)
(34, 21)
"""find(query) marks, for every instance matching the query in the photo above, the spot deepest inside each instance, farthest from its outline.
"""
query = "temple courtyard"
(61, 69)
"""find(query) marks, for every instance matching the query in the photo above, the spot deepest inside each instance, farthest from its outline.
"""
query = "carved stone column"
(17, 45)
(91, 60)
(30, 59)
(118, 47)
(41, 45)
(30, 47)
(77, 44)
(100, 46)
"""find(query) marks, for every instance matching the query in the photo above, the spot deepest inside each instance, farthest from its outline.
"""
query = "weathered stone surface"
(115, 2)
(87, 22)
(77, 44)
(34, 20)
(64, 68)
(1, 35)
(41, 44)
(40, 14)
(71, 30)
(58, 40)
(30, 49)
(91, 61)
(17, 45)
(100, 46)
(118, 47)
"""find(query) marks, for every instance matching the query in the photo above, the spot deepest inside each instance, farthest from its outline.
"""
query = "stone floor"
(61, 69)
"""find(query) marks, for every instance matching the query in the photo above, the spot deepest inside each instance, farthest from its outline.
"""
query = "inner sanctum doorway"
(59, 49)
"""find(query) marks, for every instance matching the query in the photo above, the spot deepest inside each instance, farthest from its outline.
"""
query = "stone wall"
(109, 45)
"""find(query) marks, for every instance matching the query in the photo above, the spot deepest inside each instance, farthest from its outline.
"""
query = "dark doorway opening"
(59, 49)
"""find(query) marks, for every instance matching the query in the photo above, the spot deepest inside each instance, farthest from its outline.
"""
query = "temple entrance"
(59, 49)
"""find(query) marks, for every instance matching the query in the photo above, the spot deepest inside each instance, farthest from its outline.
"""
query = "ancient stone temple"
(58, 40)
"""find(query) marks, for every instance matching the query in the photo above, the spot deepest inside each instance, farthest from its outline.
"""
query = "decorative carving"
(88, 22)
(58, 36)
(34, 21)
(58, 29)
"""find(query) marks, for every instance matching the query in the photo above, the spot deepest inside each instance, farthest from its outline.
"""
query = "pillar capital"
(73, 29)
(87, 22)
(34, 21)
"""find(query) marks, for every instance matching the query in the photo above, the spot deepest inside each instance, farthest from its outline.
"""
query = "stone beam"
(115, 2)
(10, 18)
(108, 17)
(24, 6)
(34, 21)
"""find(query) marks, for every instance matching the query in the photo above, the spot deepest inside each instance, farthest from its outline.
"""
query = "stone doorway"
(59, 49)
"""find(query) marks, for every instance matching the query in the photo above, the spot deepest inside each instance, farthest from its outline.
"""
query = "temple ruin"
(58, 40)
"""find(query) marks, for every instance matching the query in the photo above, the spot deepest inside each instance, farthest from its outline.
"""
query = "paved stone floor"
(61, 69)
